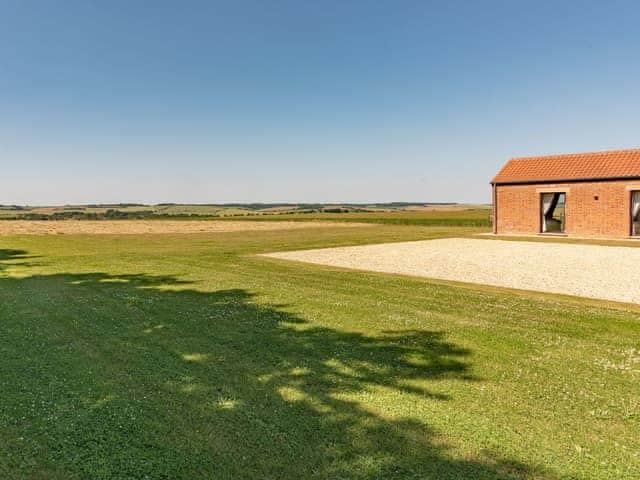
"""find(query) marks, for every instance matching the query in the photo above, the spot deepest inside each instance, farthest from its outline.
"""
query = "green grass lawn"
(186, 356)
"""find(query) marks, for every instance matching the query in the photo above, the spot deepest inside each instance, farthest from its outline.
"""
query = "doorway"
(635, 213)
(552, 210)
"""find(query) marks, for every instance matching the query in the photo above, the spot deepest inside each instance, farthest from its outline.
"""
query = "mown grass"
(186, 356)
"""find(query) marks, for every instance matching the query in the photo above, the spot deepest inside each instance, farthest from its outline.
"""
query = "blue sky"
(356, 101)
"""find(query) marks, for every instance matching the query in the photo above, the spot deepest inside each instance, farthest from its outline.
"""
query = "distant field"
(138, 227)
(451, 215)
(473, 217)
(199, 210)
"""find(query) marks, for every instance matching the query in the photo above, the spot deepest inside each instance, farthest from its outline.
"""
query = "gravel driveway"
(610, 273)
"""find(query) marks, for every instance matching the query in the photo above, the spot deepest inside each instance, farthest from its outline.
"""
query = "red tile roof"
(575, 166)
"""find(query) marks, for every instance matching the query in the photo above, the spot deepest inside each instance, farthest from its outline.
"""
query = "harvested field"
(120, 227)
(608, 273)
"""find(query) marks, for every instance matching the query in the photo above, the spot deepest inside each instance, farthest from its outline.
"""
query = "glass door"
(635, 213)
(552, 212)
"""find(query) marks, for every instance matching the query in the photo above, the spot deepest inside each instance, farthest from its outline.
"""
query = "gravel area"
(609, 273)
(135, 227)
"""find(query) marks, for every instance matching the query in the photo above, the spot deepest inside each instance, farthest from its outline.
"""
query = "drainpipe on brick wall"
(495, 208)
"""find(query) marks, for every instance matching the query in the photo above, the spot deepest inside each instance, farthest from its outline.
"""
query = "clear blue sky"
(190, 101)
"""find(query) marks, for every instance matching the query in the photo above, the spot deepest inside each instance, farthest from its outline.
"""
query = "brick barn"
(583, 195)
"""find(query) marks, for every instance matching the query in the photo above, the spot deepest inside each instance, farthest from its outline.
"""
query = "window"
(552, 208)
(635, 213)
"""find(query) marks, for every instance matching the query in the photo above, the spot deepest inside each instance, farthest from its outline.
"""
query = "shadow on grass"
(137, 376)
(13, 255)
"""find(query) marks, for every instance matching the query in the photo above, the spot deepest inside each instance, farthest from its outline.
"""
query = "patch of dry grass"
(123, 227)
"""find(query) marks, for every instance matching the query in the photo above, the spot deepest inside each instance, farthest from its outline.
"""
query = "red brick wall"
(610, 216)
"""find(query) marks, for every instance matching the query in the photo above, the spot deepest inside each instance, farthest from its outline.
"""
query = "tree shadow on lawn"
(135, 376)
(9, 255)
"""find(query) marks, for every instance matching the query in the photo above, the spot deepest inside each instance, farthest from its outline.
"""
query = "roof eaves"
(564, 180)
